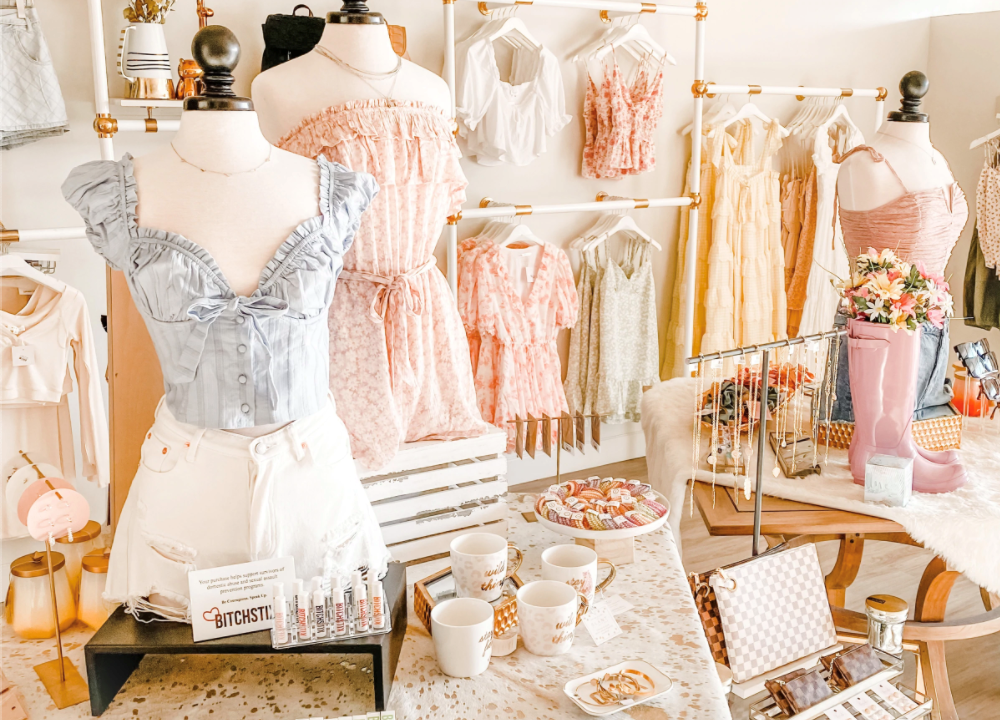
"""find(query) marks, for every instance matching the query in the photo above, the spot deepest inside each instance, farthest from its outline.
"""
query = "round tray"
(608, 534)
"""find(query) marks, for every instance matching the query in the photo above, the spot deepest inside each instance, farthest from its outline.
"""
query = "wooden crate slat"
(428, 453)
(411, 483)
(412, 506)
(446, 522)
(425, 547)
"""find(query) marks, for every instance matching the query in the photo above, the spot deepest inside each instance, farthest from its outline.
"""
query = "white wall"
(788, 42)
(962, 104)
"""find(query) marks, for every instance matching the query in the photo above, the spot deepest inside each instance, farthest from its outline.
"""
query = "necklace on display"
(366, 76)
(929, 154)
(180, 157)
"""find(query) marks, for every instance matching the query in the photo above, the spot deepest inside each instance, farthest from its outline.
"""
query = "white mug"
(547, 615)
(462, 630)
(576, 565)
(479, 565)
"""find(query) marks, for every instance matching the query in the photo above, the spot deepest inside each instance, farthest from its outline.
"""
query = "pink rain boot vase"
(883, 371)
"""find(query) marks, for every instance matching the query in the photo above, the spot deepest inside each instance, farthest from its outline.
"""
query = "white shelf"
(149, 103)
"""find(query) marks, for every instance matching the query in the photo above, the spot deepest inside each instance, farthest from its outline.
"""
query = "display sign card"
(601, 624)
(838, 713)
(236, 599)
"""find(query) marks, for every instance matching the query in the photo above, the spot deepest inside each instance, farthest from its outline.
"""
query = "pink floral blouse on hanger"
(620, 120)
(513, 337)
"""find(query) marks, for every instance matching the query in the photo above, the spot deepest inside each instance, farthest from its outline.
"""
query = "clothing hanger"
(603, 222)
(840, 115)
(13, 266)
(636, 35)
(518, 232)
(511, 25)
(748, 111)
(985, 138)
(719, 111)
(622, 224)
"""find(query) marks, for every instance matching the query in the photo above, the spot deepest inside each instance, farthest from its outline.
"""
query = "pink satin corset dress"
(399, 357)
(921, 226)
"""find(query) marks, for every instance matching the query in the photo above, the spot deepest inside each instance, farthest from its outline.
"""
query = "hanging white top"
(508, 122)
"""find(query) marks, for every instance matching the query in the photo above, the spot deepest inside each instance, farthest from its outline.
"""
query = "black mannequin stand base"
(116, 650)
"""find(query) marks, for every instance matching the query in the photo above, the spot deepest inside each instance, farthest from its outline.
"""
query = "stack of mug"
(548, 610)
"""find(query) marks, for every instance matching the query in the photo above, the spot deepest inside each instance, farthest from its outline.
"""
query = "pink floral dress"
(399, 358)
(620, 120)
(517, 366)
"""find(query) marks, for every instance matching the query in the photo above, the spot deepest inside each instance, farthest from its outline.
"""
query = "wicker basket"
(935, 434)
(504, 610)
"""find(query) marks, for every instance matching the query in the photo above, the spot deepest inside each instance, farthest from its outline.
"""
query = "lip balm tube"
(280, 611)
(378, 605)
(360, 593)
(319, 607)
(302, 609)
(339, 608)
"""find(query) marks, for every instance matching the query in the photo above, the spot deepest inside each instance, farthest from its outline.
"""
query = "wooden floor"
(974, 665)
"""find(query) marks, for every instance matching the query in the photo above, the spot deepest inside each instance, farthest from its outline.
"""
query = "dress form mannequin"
(260, 194)
(311, 83)
(904, 140)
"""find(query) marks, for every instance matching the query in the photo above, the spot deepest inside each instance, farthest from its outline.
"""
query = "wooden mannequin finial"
(913, 87)
(216, 49)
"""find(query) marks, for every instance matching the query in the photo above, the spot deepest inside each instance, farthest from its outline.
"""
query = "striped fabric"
(229, 361)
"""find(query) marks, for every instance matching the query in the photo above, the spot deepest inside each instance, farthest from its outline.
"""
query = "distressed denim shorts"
(208, 498)
(31, 103)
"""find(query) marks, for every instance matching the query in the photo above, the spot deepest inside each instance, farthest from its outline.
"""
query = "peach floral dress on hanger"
(517, 369)
(399, 357)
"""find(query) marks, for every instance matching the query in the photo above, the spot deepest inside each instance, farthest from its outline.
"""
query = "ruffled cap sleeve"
(348, 195)
(103, 192)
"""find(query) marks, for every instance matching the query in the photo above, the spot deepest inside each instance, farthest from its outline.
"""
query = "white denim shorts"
(32, 104)
(207, 498)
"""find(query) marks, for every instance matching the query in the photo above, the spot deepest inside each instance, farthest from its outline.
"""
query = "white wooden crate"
(434, 491)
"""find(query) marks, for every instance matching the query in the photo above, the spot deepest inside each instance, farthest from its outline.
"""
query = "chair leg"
(932, 603)
(990, 600)
(844, 573)
(936, 683)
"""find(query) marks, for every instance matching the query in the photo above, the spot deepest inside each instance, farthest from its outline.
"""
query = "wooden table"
(798, 523)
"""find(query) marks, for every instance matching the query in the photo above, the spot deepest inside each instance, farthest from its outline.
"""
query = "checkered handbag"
(708, 612)
(774, 611)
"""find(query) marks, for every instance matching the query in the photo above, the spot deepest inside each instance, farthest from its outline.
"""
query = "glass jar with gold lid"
(93, 608)
(83, 542)
(29, 600)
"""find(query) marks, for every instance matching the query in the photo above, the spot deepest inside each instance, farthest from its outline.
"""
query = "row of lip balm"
(318, 615)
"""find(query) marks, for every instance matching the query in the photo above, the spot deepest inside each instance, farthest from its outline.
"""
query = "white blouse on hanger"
(508, 122)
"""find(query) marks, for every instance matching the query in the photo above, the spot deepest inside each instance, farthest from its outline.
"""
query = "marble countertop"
(663, 628)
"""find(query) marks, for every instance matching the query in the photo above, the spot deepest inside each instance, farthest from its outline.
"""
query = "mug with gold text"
(547, 615)
(479, 565)
(576, 565)
(462, 630)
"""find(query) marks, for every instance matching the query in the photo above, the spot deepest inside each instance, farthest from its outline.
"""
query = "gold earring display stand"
(61, 679)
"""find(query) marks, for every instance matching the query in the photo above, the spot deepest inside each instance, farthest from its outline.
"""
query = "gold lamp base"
(64, 693)
(150, 89)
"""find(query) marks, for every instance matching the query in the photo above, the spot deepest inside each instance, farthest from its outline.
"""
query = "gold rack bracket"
(695, 200)
(522, 209)
(754, 89)
(638, 203)
(601, 196)
(604, 17)
(453, 219)
(105, 125)
(882, 94)
(700, 89)
(8, 236)
(447, 2)
(648, 7)
(702, 11)
(800, 98)
(485, 202)
(151, 126)
(846, 92)
(483, 8)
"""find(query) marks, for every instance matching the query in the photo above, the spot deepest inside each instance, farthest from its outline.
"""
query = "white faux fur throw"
(963, 526)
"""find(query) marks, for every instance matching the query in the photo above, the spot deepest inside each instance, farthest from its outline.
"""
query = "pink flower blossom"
(935, 317)
(906, 305)
(893, 274)
(862, 291)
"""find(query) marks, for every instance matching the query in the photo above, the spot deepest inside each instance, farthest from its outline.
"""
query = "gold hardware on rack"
(204, 14)
(882, 94)
(695, 200)
(846, 92)
(453, 219)
(150, 121)
(484, 9)
(105, 125)
(648, 7)
(700, 89)
(448, 2)
(485, 202)
(8, 236)
(604, 17)
(641, 203)
(800, 98)
(701, 11)
(601, 196)
(754, 89)
(522, 209)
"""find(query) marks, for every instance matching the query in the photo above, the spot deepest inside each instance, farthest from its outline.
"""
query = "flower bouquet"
(147, 11)
(887, 290)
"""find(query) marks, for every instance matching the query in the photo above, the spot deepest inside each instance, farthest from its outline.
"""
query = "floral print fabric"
(513, 337)
(399, 358)
(620, 120)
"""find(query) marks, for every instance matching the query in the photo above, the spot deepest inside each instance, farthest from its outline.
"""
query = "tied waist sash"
(399, 293)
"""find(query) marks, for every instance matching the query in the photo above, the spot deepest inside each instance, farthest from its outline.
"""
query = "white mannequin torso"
(300, 88)
(864, 184)
(240, 220)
